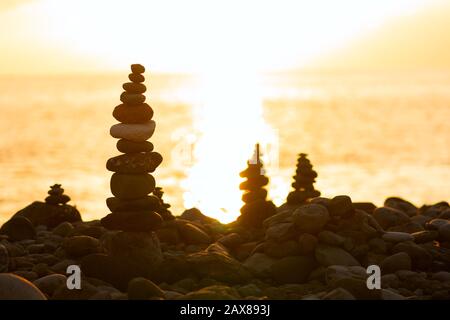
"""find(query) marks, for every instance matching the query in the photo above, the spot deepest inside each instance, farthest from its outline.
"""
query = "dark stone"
(137, 68)
(131, 186)
(79, 246)
(56, 190)
(251, 196)
(113, 270)
(130, 255)
(389, 217)
(368, 207)
(18, 228)
(421, 258)
(138, 221)
(254, 213)
(133, 87)
(146, 203)
(358, 288)
(128, 146)
(57, 199)
(218, 265)
(136, 77)
(140, 113)
(292, 269)
(341, 206)
(173, 268)
(134, 162)
(254, 183)
(282, 249)
(132, 98)
(396, 262)
(402, 205)
(194, 214)
(143, 289)
(40, 213)
(192, 234)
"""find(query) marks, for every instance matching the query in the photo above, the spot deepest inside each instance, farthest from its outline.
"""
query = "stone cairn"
(303, 182)
(57, 196)
(133, 209)
(163, 210)
(256, 208)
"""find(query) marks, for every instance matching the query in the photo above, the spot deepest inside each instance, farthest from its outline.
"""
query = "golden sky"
(67, 36)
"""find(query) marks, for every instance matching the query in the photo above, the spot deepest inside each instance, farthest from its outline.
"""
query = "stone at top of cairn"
(256, 208)
(56, 195)
(133, 207)
(303, 182)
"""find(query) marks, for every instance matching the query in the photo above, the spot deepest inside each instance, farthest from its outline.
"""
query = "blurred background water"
(369, 135)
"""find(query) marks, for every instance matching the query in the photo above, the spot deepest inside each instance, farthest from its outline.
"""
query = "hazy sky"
(63, 36)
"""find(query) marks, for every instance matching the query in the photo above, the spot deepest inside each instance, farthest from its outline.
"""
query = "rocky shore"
(317, 250)
(311, 247)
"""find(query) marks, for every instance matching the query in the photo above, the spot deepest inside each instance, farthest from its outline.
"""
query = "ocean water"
(368, 135)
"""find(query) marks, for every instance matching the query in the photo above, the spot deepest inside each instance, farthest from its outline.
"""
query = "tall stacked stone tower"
(132, 207)
(256, 208)
(303, 183)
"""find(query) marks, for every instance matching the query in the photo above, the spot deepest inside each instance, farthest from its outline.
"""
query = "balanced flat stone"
(57, 199)
(128, 146)
(137, 68)
(134, 132)
(137, 221)
(140, 113)
(132, 98)
(150, 202)
(136, 77)
(135, 162)
(131, 186)
(254, 183)
(133, 87)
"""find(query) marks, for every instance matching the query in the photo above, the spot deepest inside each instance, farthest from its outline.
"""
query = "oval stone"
(146, 203)
(128, 146)
(136, 77)
(137, 221)
(133, 132)
(254, 184)
(140, 113)
(13, 287)
(131, 186)
(137, 68)
(132, 98)
(132, 87)
(135, 162)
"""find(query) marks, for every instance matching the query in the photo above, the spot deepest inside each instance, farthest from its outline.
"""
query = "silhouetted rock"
(194, 214)
(128, 146)
(256, 208)
(163, 208)
(18, 228)
(303, 182)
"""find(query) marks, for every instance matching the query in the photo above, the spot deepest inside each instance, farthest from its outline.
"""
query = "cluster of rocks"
(318, 250)
(256, 208)
(303, 182)
(49, 213)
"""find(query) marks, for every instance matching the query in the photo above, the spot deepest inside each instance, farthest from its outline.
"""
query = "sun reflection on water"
(228, 123)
